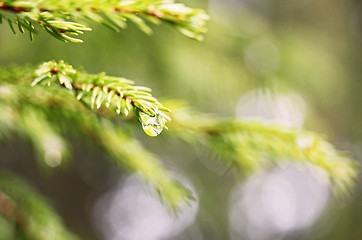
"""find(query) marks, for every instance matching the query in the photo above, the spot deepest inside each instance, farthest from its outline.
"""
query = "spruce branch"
(112, 92)
(62, 19)
(253, 146)
(247, 146)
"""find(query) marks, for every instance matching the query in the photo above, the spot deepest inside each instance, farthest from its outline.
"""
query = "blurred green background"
(257, 58)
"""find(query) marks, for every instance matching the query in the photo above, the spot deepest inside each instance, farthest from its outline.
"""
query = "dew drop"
(152, 125)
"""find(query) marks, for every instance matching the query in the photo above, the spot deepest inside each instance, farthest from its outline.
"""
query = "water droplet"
(152, 125)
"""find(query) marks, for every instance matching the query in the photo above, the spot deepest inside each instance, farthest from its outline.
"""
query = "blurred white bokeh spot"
(270, 205)
(262, 105)
(132, 211)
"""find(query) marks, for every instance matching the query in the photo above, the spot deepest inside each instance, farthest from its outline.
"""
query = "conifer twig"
(62, 18)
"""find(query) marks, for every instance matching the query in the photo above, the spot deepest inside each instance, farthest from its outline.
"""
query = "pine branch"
(112, 92)
(28, 213)
(62, 18)
(252, 146)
